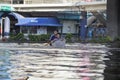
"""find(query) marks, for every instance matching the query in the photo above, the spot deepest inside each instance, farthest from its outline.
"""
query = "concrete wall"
(69, 27)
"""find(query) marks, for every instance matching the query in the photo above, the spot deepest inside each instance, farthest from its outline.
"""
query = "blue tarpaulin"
(16, 15)
(39, 21)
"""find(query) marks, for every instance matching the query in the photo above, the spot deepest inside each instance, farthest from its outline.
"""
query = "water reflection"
(95, 64)
(58, 65)
(112, 70)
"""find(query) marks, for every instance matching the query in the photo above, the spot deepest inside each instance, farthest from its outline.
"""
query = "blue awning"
(39, 21)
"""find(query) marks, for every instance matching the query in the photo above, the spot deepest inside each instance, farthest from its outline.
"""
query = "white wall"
(42, 30)
(69, 26)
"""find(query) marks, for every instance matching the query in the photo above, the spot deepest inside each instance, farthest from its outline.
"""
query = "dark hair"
(56, 30)
(58, 33)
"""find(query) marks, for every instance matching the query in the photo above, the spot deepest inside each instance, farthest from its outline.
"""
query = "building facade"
(66, 11)
(45, 1)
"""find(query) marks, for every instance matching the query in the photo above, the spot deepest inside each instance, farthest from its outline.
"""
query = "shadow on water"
(4, 65)
(112, 69)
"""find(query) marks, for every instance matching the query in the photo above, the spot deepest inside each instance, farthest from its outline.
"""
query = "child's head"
(55, 32)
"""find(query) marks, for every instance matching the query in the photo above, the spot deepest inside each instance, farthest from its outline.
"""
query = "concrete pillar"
(113, 18)
(83, 24)
(118, 18)
(6, 27)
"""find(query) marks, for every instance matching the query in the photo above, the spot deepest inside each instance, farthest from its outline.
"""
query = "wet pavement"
(82, 62)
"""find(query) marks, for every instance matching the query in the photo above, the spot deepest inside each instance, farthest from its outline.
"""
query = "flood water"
(88, 64)
(4, 65)
(112, 69)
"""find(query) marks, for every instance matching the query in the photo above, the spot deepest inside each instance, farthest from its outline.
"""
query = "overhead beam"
(61, 7)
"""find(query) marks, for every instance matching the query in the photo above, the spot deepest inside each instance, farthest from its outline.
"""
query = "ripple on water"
(4, 65)
(87, 64)
(56, 65)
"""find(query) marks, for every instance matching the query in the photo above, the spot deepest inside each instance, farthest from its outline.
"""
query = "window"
(33, 30)
(18, 1)
(28, 2)
(24, 29)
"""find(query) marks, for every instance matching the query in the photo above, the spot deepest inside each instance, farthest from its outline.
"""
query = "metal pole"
(1, 29)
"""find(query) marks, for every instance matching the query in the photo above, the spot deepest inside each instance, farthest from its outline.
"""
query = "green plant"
(107, 39)
(101, 40)
(44, 37)
(11, 35)
(68, 37)
(34, 37)
(117, 39)
(18, 37)
(37, 38)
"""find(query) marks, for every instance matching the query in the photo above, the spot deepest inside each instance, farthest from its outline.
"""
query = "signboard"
(6, 8)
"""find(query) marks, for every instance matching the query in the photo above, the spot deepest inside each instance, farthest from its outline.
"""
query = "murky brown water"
(87, 64)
